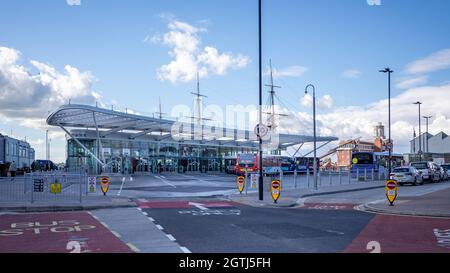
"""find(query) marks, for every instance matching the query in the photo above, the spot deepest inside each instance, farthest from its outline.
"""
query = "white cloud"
(290, 71)
(27, 99)
(351, 74)
(436, 61)
(322, 103)
(406, 83)
(187, 56)
(358, 121)
(73, 2)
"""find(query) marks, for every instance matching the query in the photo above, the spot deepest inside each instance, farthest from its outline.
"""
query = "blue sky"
(337, 45)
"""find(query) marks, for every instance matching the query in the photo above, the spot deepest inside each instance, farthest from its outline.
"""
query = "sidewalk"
(89, 203)
(436, 204)
(294, 197)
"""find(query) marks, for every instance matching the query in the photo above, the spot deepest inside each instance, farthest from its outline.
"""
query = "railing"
(53, 187)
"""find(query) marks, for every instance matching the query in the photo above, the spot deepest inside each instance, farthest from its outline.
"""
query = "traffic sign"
(275, 189)
(55, 187)
(261, 130)
(104, 184)
(254, 180)
(92, 185)
(241, 183)
(391, 191)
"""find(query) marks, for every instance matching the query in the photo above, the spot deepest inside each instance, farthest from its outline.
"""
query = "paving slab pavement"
(436, 204)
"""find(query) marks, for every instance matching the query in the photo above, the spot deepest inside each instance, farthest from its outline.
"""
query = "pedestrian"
(12, 169)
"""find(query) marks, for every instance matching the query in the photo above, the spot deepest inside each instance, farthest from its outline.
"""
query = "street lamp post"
(420, 131)
(389, 71)
(260, 179)
(427, 118)
(314, 129)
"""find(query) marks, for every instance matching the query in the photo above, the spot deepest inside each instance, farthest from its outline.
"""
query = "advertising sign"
(55, 187)
(254, 180)
(92, 184)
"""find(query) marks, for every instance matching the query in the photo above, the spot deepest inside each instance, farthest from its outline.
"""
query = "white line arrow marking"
(198, 205)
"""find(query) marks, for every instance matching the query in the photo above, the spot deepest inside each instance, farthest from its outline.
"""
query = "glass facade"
(127, 157)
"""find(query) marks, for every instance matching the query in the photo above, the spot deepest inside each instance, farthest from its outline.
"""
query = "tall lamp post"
(427, 118)
(314, 129)
(420, 132)
(389, 71)
(260, 179)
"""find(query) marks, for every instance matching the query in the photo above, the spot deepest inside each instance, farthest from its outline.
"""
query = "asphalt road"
(239, 228)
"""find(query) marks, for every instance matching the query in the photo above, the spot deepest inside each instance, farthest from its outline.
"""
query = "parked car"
(429, 170)
(443, 173)
(446, 168)
(407, 175)
(44, 165)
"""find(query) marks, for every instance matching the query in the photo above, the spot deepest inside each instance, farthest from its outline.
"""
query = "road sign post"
(104, 184)
(246, 179)
(240, 183)
(275, 189)
(391, 191)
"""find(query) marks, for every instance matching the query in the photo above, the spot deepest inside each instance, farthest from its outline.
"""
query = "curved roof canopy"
(138, 127)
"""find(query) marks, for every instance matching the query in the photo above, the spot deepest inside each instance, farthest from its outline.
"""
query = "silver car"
(446, 168)
(444, 174)
(428, 169)
(407, 175)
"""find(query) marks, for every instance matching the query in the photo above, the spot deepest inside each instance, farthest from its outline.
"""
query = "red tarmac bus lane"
(403, 234)
(58, 232)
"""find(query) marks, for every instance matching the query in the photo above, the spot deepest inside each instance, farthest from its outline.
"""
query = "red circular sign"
(241, 180)
(275, 184)
(391, 185)
(105, 180)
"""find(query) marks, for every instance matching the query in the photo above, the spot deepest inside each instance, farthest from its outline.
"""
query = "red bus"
(246, 162)
(271, 164)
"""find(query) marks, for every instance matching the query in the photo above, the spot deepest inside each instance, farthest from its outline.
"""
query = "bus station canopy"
(138, 127)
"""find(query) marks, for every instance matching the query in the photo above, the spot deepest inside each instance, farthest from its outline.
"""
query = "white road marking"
(185, 250)
(165, 181)
(145, 213)
(104, 224)
(133, 247)
(139, 209)
(198, 205)
(151, 219)
(115, 233)
(171, 237)
(121, 186)
(159, 227)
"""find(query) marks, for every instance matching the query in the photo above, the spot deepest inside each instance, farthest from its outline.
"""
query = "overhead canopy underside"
(138, 127)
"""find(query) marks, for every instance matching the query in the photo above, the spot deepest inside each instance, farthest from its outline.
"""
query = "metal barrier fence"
(53, 187)
(324, 179)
